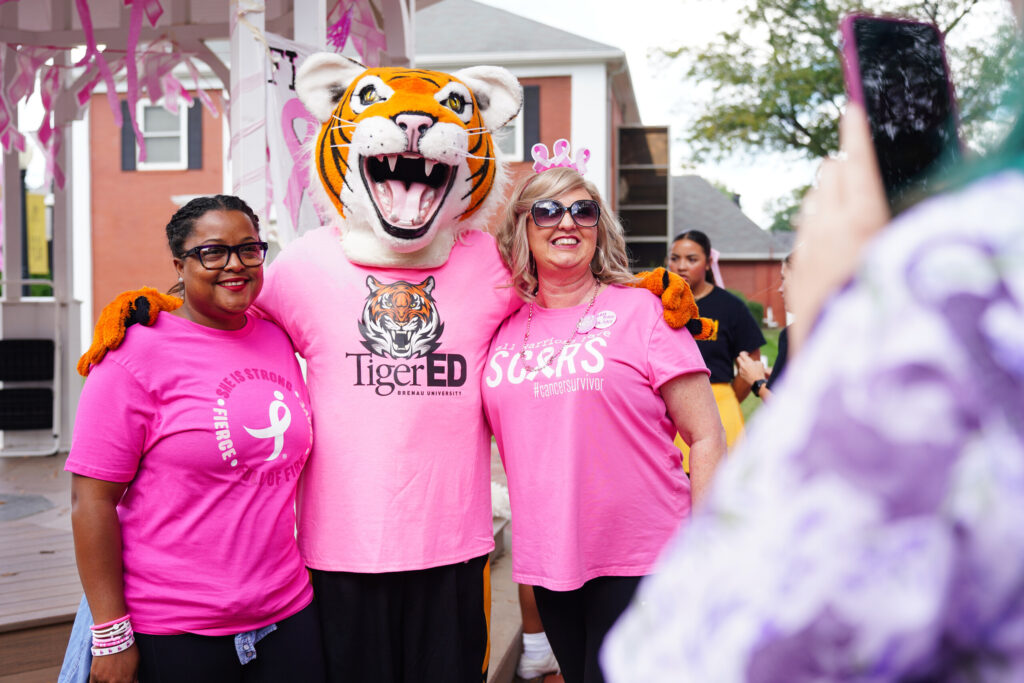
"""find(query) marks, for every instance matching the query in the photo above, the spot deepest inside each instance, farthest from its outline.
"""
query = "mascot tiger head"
(400, 319)
(406, 156)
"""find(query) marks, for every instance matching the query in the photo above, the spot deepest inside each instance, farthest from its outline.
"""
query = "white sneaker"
(529, 667)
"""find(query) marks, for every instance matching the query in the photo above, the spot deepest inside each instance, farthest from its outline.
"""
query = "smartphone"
(896, 69)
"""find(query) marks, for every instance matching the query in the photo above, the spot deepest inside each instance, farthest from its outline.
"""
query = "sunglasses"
(547, 213)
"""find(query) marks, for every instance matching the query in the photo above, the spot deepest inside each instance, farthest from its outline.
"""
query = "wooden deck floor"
(40, 590)
(39, 586)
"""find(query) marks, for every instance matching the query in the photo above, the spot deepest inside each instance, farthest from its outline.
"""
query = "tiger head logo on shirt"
(400, 319)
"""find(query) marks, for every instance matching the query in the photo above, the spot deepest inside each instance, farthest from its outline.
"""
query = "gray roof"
(698, 205)
(464, 27)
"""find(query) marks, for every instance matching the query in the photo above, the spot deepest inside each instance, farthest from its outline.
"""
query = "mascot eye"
(368, 96)
(369, 91)
(416, 302)
(385, 301)
(456, 98)
(455, 103)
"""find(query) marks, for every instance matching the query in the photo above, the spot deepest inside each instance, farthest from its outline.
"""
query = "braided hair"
(184, 219)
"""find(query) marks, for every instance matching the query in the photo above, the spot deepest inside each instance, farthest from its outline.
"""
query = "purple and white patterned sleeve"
(870, 527)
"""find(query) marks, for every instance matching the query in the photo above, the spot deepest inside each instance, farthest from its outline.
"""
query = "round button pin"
(605, 319)
(586, 324)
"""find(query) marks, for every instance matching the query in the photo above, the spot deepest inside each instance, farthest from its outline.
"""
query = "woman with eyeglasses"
(585, 388)
(187, 448)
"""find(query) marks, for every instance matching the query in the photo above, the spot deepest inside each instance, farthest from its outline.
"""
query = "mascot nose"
(414, 126)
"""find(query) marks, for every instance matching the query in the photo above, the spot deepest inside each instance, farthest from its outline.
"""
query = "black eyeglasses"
(217, 256)
(548, 212)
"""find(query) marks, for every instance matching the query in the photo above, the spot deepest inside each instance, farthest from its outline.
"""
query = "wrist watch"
(757, 386)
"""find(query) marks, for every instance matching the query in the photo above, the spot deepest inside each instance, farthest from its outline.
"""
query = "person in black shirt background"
(691, 259)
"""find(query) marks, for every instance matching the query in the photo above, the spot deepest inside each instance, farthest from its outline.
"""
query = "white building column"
(248, 107)
(590, 120)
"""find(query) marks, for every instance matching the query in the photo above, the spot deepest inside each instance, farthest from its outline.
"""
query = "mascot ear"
(497, 93)
(322, 80)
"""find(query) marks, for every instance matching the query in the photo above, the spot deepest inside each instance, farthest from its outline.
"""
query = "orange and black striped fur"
(405, 157)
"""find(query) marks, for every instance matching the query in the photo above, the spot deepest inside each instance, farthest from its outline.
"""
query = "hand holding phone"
(896, 69)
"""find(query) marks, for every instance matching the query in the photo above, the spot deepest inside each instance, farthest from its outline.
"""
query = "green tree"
(778, 87)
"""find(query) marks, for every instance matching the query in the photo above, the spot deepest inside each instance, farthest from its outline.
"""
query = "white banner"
(288, 127)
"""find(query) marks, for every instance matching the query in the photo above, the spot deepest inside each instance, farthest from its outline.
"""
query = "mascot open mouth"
(407, 190)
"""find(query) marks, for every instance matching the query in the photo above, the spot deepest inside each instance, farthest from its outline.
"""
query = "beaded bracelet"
(112, 637)
(101, 651)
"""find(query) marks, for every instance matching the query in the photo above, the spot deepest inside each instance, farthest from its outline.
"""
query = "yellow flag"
(38, 254)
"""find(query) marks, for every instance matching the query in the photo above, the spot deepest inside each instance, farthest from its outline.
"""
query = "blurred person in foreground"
(870, 526)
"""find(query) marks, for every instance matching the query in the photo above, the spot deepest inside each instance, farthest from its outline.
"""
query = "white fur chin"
(366, 248)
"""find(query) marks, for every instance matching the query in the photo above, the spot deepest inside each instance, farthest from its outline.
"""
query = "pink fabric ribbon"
(337, 33)
(719, 280)
(361, 29)
(291, 112)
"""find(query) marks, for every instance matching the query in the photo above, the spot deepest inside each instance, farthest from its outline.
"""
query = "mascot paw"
(127, 309)
(677, 299)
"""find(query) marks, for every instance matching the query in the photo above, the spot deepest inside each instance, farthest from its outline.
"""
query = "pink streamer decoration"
(362, 30)
(29, 59)
(291, 112)
(152, 8)
(337, 34)
(10, 137)
(132, 94)
(92, 54)
(156, 66)
(203, 96)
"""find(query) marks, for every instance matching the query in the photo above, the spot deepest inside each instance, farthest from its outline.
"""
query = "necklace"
(575, 331)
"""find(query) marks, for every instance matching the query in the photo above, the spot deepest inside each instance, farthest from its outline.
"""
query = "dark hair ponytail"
(184, 219)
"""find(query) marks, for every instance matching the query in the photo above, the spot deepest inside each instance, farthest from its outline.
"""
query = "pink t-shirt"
(400, 474)
(596, 485)
(212, 429)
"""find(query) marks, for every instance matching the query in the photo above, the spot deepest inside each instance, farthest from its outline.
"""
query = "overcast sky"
(662, 95)
(639, 26)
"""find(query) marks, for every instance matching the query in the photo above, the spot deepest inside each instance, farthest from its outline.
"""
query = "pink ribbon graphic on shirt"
(279, 423)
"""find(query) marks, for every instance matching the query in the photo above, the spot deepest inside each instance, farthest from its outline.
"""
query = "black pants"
(291, 653)
(412, 626)
(577, 621)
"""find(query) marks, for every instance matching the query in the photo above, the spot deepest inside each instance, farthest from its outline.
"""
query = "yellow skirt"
(732, 419)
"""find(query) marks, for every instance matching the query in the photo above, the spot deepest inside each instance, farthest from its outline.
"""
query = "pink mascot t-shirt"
(212, 428)
(400, 474)
(596, 485)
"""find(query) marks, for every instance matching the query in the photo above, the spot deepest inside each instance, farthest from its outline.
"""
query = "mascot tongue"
(404, 205)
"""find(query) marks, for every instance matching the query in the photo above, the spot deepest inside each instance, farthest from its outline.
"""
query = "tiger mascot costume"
(393, 306)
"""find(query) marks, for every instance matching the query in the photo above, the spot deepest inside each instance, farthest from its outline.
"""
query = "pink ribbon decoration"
(29, 59)
(719, 280)
(49, 136)
(561, 159)
(152, 8)
(368, 40)
(337, 33)
(291, 112)
(93, 55)
(132, 89)
(10, 137)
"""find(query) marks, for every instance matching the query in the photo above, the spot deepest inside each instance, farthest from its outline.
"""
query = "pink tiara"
(562, 159)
